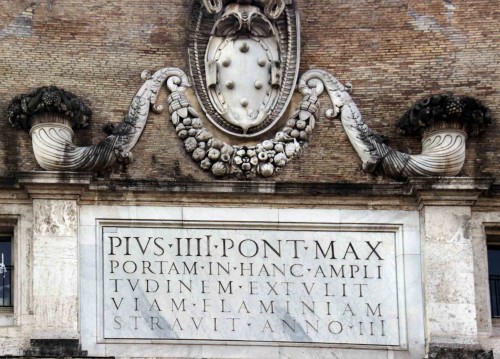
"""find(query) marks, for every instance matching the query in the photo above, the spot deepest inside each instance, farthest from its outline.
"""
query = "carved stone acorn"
(196, 123)
(180, 127)
(301, 124)
(279, 147)
(215, 143)
(182, 134)
(226, 149)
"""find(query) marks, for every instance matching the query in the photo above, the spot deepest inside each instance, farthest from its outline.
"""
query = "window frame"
(8, 237)
(495, 320)
(492, 239)
(16, 223)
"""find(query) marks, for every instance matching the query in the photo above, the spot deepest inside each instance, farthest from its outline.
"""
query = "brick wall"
(394, 52)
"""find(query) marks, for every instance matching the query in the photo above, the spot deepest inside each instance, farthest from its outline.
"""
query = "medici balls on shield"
(245, 69)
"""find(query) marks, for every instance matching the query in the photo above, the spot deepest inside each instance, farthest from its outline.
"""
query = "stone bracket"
(448, 191)
(54, 185)
(55, 348)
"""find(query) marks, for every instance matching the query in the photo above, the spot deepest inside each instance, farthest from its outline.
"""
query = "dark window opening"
(6, 271)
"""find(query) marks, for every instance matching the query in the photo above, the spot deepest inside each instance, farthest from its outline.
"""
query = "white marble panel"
(251, 285)
(53, 249)
(55, 269)
(88, 274)
(230, 214)
(324, 353)
(410, 219)
(55, 217)
(87, 235)
(411, 242)
(89, 214)
(156, 351)
(240, 352)
(414, 300)
(449, 274)
(288, 215)
(400, 249)
(449, 320)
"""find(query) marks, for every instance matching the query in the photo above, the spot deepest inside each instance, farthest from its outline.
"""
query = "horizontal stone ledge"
(446, 351)
(450, 183)
(54, 348)
(449, 191)
(262, 188)
(52, 357)
(454, 187)
(53, 177)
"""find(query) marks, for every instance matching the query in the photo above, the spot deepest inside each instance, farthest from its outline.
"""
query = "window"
(493, 247)
(6, 271)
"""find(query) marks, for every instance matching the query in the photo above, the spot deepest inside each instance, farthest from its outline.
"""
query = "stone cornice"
(415, 193)
(253, 187)
(449, 191)
(252, 194)
(54, 185)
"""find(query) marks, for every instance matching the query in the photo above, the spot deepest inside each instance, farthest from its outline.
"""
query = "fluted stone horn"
(51, 114)
(52, 140)
(444, 121)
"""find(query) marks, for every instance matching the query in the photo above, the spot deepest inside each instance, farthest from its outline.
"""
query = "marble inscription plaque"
(304, 285)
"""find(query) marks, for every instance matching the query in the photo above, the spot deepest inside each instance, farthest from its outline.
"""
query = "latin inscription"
(250, 285)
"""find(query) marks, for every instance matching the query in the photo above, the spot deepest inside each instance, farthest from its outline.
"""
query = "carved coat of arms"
(244, 60)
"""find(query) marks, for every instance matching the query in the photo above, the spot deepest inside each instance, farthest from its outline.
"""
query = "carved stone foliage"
(466, 111)
(48, 99)
(272, 8)
(244, 60)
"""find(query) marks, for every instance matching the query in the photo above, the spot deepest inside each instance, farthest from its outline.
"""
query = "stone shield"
(244, 65)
